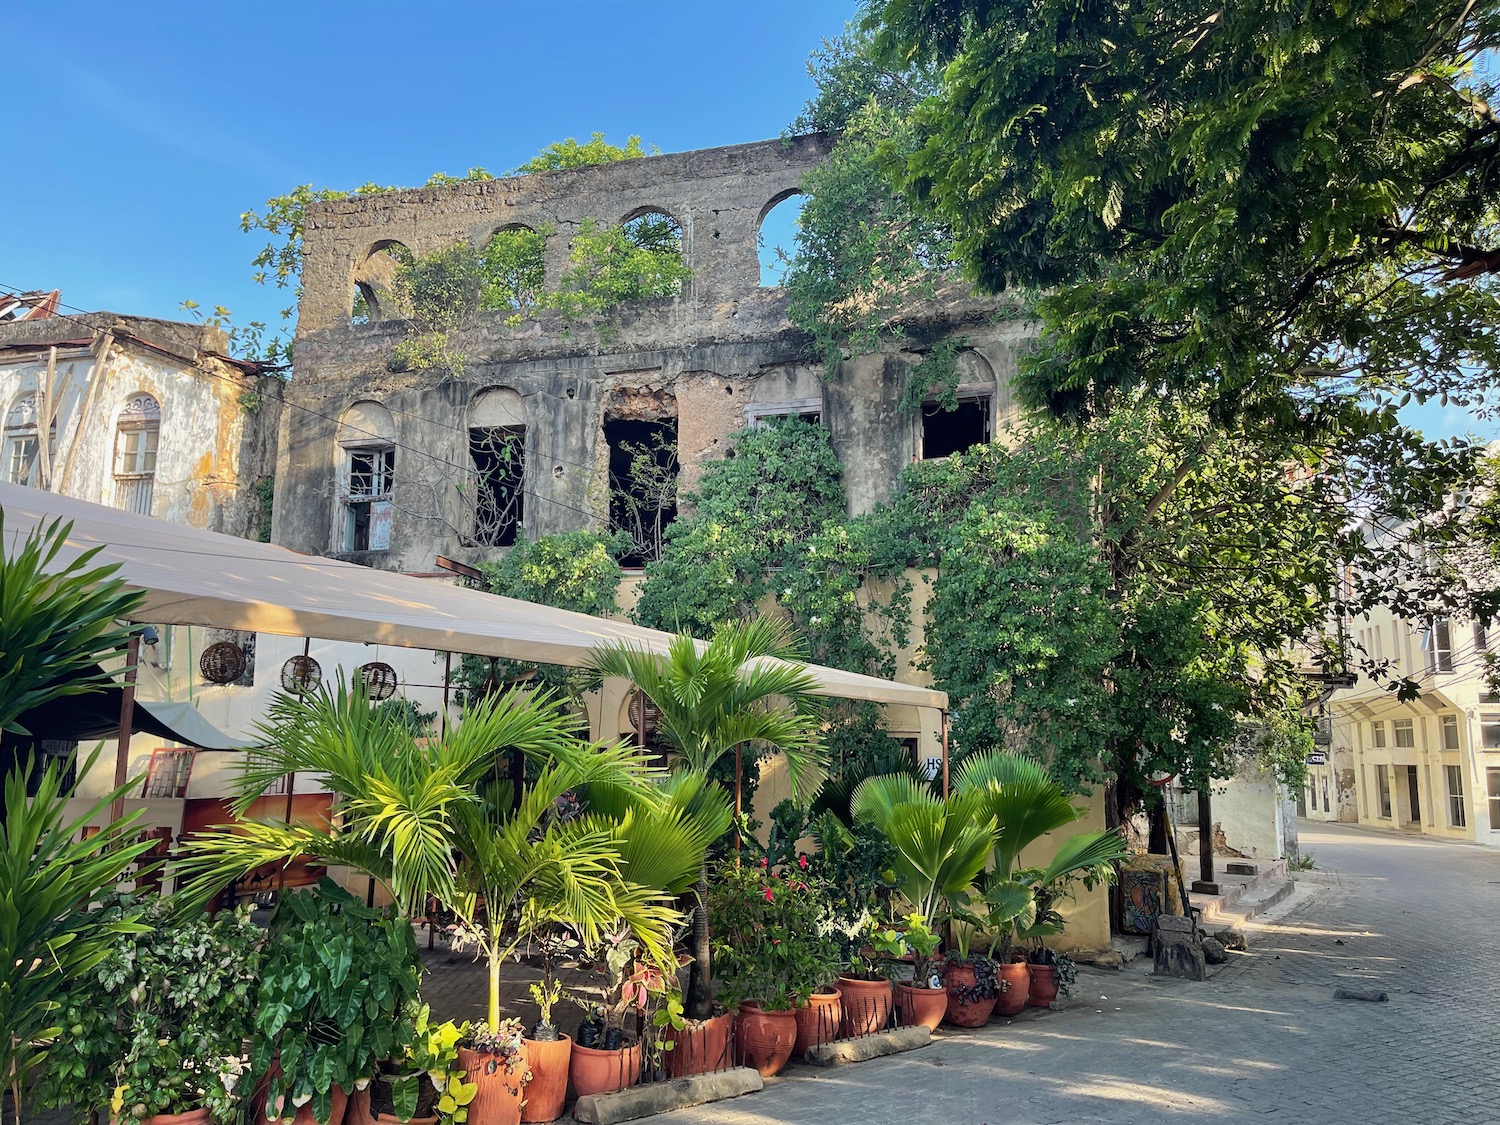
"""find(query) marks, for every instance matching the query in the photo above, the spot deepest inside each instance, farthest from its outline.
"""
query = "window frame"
(1377, 735)
(966, 392)
(1492, 789)
(1437, 643)
(1447, 724)
(1383, 791)
(1408, 727)
(362, 510)
(1458, 816)
(1489, 730)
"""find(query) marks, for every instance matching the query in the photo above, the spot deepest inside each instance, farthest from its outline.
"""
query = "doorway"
(1412, 795)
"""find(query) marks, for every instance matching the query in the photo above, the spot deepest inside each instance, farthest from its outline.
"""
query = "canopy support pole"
(945, 755)
(127, 726)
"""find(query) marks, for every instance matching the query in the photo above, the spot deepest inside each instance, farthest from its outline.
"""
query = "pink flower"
(764, 862)
(802, 886)
(769, 895)
(802, 862)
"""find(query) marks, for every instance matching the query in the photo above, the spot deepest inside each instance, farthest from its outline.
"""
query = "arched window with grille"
(137, 435)
(20, 441)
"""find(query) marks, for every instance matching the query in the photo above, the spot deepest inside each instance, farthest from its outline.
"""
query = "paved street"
(1263, 1041)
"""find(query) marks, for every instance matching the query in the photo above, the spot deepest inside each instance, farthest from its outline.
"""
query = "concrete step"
(1247, 905)
(1236, 889)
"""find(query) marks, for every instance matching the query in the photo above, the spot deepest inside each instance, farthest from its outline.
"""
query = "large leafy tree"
(1241, 248)
(1246, 198)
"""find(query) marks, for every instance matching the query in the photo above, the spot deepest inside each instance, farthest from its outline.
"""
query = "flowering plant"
(502, 1044)
(773, 941)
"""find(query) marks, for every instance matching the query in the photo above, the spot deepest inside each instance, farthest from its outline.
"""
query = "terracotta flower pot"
(500, 1081)
(1017, 976)
(925, 1006)
(764, 1039)
(603, 1072)
(358, 1113)
(305, 1115)
(866, 1006)
(548, 1088)
(963, 1013)
(1043, 986)
(188, 1117)
(818, 1020)
(700, 1047)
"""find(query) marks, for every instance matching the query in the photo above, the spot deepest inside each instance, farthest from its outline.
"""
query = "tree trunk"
(700, 997)
(494, 1008)
(1157, 840)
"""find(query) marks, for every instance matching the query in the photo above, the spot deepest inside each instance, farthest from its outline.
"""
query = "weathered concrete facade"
(709, 361)
(148, 415)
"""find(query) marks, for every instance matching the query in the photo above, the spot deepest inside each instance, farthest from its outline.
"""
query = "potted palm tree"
(1019, 902)
(742, 691)
(431, 817)
(940, 846)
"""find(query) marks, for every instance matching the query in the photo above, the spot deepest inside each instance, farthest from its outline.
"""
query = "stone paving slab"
(1263, 1040)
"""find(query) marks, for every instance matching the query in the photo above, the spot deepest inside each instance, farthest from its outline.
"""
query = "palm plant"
(56, 622)
(50, 937)
(940, 845)
(743, 689)
(433, 817)
(1026, 803)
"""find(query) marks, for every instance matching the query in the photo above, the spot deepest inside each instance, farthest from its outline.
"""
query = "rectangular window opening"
(1489, 730)
(1383, 788)
(1457, 815)
(1406, 737)
(1377, 734)
(498, 454)
(945, 432)
(367, 500)
(1450, 732)
(1438, 641)
(642, 484)
(1492, 779)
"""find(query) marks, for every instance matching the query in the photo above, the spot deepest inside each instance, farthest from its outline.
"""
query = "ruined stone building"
(393, 468)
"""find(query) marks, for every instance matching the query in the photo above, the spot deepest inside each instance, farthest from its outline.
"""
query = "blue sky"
(140, 133)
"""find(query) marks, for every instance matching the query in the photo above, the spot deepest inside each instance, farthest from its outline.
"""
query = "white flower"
(814, 619)
(1071, 702)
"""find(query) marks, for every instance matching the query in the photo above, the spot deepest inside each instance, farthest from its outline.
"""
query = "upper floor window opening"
(642, 483)
(1437, 641)
(137, 441)
(21, 442)
(776, 237)
(497, 454)
(944, 432)
(367, 471)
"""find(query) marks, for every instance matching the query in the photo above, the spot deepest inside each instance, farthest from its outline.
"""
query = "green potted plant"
(338, 984)
(548, 1051)
(866, 996)
(493, 1058)
(422, 1087)
(969, 979)
(1026, 804)
(743, 691)
(940, 846)
(158, 1033)
(604, 1060)
(773, 953)
(1053, 974)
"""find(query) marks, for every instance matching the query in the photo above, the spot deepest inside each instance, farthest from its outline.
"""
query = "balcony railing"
(133, 493)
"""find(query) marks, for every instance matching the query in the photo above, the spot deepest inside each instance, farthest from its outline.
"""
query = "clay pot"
(189, 1117)
(548, 1088)
(764, 1039)
(305, 1115)
(925, 1006)
(1017, 975)
(500, 1082)
(818, 1020)
(961, 1013)
(866, 1006)
(701, 1047)
(603, 1072)
(359, 1113)
(1043, 986)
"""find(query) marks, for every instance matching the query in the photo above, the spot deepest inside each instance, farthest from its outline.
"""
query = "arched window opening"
(20, 442)
(515, 269)
(137, 436)
(497, 455)
(367, 470)
(776, 238)
(374, 296)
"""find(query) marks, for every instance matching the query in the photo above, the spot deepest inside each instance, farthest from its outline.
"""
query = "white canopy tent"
(194, 577)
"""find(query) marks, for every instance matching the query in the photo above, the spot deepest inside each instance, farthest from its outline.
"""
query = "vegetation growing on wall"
(574, 570)
(284, 220)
